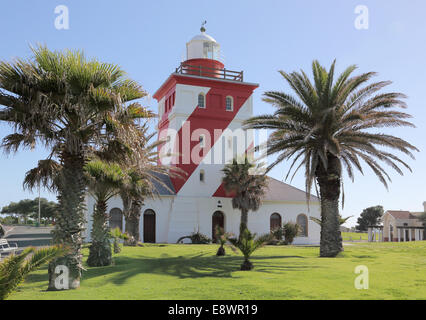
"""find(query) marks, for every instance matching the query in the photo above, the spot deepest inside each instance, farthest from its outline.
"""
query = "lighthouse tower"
(201, 107)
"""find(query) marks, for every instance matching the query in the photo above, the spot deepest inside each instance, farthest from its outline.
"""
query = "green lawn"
(354, 236)
(397, 271)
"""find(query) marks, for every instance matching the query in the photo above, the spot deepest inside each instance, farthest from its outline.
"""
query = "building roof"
(280, 191)
(399, 214)
(165, 187)
(276, 191)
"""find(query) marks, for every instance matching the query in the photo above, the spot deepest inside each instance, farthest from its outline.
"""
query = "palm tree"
(342, 220)
(327, 126)
(133, 195)
(104, 181)
(247, 189)
(116, 234)
(222, 237)
(15, 268)
(145, 174)
(70, 105)
(247, 243)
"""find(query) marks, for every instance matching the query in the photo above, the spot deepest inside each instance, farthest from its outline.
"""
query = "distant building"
(403, 226)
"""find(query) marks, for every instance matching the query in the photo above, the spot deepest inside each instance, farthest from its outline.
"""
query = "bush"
(9, 220)
(291, 230)
(196, 238)
(276, 236)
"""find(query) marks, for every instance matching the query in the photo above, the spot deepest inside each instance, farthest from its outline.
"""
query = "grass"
(354, 236)
(396, 271)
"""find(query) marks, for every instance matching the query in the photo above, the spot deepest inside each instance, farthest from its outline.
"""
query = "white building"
(201, 108)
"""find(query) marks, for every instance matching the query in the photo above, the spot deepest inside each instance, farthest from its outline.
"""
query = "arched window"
(201, 100)
(302, 221)
(202, 175)
(218, 219)
(229, 104)
(116, 219)
(230, 141)
(275, 221)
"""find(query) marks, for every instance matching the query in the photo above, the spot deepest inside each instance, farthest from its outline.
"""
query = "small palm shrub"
(196, 238)
(291, 230)
(117, 235)
(277, 235)
(247, 243)
(15, 268)
(222, 237)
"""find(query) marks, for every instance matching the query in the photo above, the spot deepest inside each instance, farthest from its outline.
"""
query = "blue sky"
(147, 38)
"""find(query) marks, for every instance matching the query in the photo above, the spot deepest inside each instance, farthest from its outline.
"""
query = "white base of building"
(178, 216)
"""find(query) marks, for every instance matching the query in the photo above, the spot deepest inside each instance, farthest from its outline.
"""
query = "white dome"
(203, 37)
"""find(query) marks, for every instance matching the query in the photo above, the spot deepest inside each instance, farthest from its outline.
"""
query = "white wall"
(180, 216)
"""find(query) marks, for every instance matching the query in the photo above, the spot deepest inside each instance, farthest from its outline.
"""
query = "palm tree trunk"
(133, 222)
(247, 265)
(100, 251)
(329, 184)
(244, 219)
(69, 220)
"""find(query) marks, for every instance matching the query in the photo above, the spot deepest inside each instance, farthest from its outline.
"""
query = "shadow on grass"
(198, 266)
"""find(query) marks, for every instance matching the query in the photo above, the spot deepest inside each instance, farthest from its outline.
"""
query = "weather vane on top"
(202, 26)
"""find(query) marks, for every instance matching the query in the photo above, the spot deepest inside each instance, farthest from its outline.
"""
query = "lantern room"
(203, 46)
(203, 56)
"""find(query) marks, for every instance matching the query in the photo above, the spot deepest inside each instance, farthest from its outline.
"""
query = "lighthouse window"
(229, 104)
(201, 100)
(202, 174)
(202, 141)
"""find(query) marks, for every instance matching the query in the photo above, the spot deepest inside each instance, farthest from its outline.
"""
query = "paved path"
(26, 236)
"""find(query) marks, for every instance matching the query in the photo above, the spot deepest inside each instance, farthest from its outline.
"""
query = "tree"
(145, 173)
(371, 216)
(23, 208)
(70, 105)
(29, 208)
(330, 125)
(104, 181)
(48, 209)
(247, 189)
(247, 243)
(15, 268)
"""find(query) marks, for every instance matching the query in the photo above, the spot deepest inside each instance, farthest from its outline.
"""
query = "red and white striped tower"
(201, 107)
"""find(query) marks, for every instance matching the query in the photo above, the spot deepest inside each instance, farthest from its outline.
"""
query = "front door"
(218, 219)
(149, 226)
